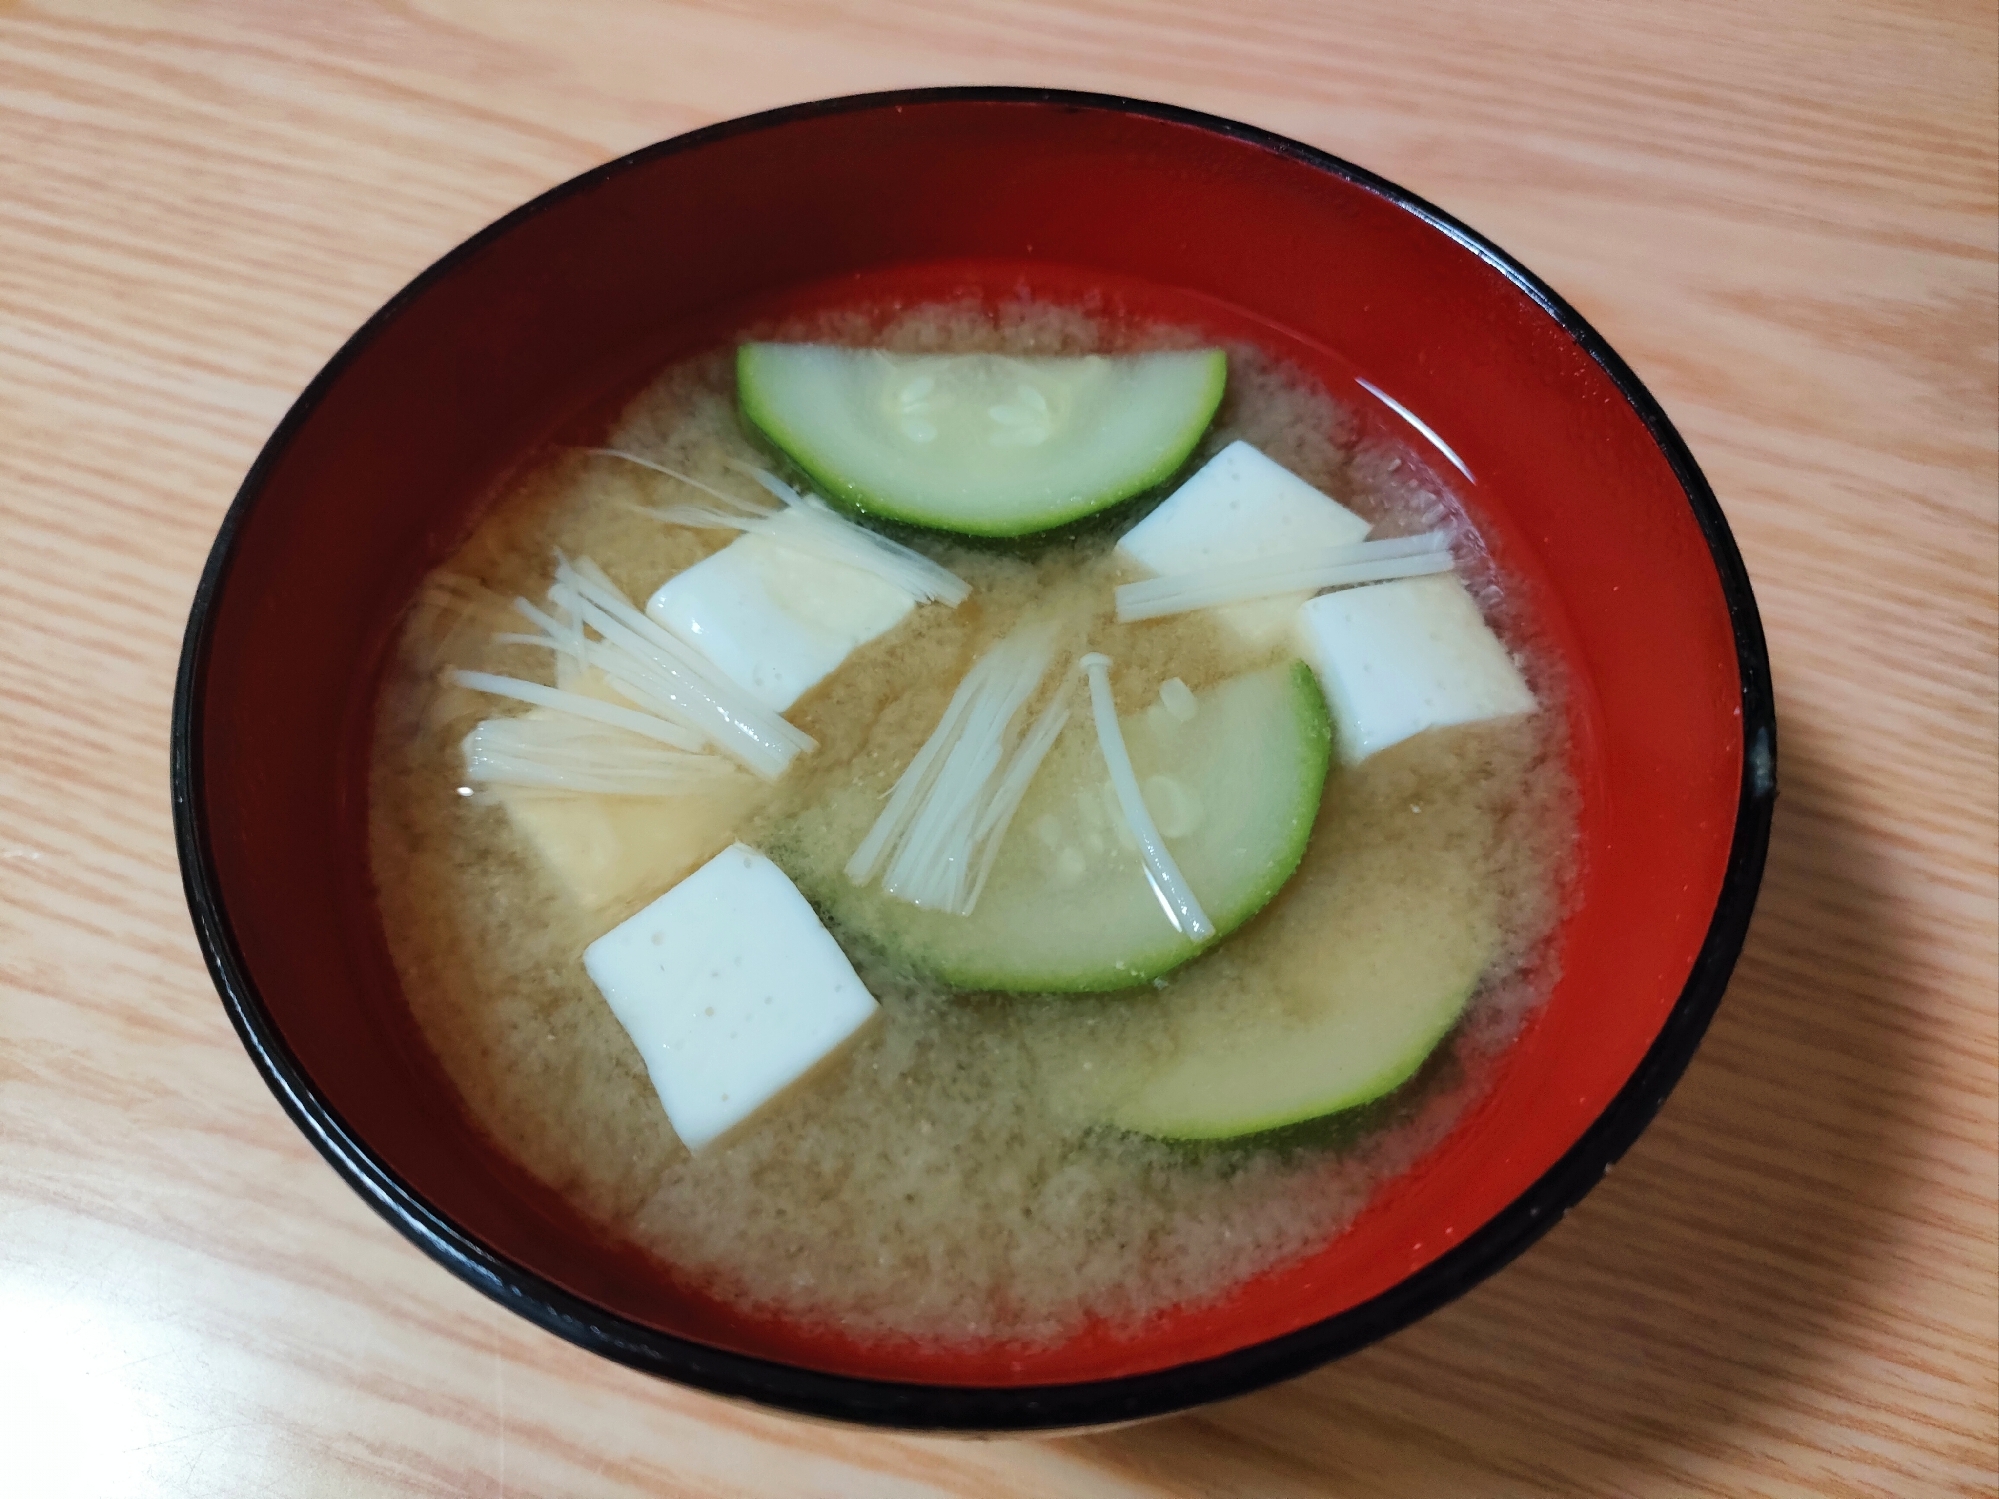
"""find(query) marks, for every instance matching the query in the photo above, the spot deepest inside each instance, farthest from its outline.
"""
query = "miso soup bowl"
(535, 329)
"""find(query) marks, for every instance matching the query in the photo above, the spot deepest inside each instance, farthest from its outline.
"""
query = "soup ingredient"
(1398, 658)
(807, 525)
(571, 705)
(1068, 907)
(981, 444)
(608, 850)
(554, 751)
(1176, 898)
(1240, 507)
(803, 589)
(1398, 959)
(776, 618)
(589, 624)
(613, 814)
(731, 990)
(949, 813)
(1283, 574)
(1176, 700)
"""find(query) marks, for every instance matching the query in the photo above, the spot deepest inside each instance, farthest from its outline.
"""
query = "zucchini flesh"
(980, 444)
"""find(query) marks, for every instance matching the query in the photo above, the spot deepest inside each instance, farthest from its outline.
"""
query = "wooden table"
(1783, 214)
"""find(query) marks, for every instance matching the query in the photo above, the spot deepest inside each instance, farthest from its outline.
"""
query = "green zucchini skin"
(1255, 756)
(834, 415)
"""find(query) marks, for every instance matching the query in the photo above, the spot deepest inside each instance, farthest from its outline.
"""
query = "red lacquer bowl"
(535, 328)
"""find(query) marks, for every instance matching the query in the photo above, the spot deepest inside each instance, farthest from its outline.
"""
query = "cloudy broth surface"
(933, 1180)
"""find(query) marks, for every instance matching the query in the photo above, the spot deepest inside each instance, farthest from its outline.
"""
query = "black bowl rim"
(920, 1407)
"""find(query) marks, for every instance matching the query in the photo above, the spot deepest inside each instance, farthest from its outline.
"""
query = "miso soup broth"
(979, 1161)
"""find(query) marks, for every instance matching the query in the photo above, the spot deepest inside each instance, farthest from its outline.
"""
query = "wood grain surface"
(1781, 211)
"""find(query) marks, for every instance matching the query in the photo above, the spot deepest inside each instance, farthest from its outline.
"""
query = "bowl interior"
(533, 333)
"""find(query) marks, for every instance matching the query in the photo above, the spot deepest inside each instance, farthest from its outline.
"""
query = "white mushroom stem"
(1012, 790)
(1168, 884)
(660, 671)
(939, 834)
(562, 754)
(815, 529)
(679, 697)
(580, 706)
(1286, 572)
(856, 545)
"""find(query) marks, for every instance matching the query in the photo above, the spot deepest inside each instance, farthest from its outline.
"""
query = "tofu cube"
(731, 990)
(606, 850)
(1398, 658)
(774, 618)
(1241, 506)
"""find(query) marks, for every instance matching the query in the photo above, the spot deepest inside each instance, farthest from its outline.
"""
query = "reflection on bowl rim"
(1045, 1408)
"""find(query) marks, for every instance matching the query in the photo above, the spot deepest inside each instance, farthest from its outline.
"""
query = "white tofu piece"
(1398, 658)
(776, 619)
(1241, 506)
(731, 990)
(606, 850)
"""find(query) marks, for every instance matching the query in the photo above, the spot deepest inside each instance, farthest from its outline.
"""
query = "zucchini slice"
(1338, 993)
(980, 444)
(1399, 976)
(1234, 789)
